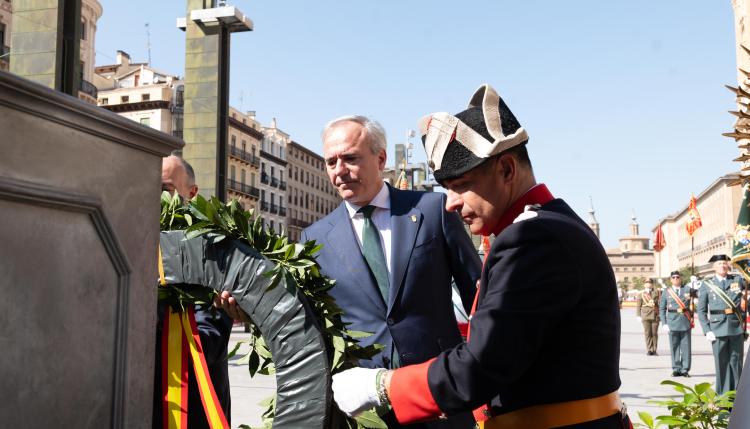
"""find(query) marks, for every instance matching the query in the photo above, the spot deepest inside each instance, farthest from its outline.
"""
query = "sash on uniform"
(683, 307)
(180, 342)
(728, 301)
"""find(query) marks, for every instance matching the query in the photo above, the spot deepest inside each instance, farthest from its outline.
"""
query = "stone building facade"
(141, 93)
(273, 182)
(310, 195)
(633, 261)
(91, 11)
(245, 140)
(718, 206)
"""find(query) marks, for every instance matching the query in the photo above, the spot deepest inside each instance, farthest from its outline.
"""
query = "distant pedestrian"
(647, 310)
(674, 311)
(722, 312)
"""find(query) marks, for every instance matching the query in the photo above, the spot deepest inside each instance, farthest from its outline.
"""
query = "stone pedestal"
(79, 197)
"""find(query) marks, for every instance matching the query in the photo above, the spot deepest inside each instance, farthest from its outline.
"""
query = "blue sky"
(623, 101)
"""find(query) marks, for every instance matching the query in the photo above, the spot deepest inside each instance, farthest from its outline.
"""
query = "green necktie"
(373, 252)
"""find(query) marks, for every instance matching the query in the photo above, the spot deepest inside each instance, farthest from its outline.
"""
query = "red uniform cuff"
(410, 394)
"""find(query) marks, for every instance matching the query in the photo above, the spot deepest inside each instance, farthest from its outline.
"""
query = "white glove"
(665, 327)
(355, 390)
(710, 336)
(640, 319)
(694, 283)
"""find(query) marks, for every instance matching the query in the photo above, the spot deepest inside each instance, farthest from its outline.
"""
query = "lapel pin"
(413, 218)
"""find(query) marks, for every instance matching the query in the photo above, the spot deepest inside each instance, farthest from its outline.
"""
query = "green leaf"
(371, 420)
(702, 387)
(646, 418)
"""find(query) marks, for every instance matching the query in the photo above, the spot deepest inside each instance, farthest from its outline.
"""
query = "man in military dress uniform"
(674, 312)
(722, 314)
(647, 311)
(535, 358)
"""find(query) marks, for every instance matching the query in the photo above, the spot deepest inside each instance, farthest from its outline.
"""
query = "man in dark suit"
(393, 254)
(408, 307)
(544, 339)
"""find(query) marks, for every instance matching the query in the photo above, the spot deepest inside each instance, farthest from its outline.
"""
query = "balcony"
(242, 188)
(264, 178)
(274, 208)
(299, 223)
(244, 156)
(274, 182)
(282, 185)
(89, 89)
(282, 211)
(264, 206)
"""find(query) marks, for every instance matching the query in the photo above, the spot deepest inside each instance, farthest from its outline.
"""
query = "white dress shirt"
(381, 217)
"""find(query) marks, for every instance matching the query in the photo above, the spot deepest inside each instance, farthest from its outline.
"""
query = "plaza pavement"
(641, 375)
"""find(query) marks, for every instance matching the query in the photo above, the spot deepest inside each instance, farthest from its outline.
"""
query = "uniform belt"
(679, 310)
(724, 311)
(557, 414)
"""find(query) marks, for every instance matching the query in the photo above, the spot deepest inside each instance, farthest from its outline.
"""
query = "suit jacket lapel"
(342, 239)
(405, 223)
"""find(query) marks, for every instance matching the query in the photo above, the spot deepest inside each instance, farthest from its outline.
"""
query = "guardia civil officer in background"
(647, 311)
(722, 314)
(674, 311)
(535, 357)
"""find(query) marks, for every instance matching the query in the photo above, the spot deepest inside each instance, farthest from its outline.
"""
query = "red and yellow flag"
(694, 218)
(659, 241)
(181, 344)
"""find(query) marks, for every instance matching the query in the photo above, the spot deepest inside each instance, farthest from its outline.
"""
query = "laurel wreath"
(293, 261)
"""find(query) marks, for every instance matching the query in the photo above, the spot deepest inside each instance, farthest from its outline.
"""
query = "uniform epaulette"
(529, 212)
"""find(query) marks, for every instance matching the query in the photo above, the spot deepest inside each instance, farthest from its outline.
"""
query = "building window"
(83, 30)
(244, 145)
(242, 176)
(232, 172)
(234, 140)
(252, 179)
(124, 99)
(146, 121)
(2, 34)
(271, 223)
(145, 97)
(104, 101)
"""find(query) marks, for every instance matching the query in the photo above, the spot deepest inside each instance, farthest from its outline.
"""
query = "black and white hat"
(457, 143)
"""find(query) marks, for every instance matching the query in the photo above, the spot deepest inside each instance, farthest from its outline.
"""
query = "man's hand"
(226, 302)
(355, 390)
(665, 327)
(710, 336)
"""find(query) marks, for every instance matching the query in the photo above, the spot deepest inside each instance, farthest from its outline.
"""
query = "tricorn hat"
(719, 258)
(675, 273)
(457, 143)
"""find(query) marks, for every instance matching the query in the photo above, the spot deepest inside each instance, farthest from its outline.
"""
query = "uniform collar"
(538, 194)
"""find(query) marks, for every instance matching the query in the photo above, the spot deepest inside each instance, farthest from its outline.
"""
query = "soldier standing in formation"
(722, 313)
(647, 310)
(674, 311)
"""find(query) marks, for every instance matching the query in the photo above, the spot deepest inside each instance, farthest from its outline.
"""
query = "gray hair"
(186, 165)
(373, 129)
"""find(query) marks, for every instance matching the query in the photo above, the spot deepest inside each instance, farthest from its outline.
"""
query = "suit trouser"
(651, 330)
(728, 352)
(679, 345)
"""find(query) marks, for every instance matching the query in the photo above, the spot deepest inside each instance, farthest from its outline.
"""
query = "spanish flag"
(694, 218)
